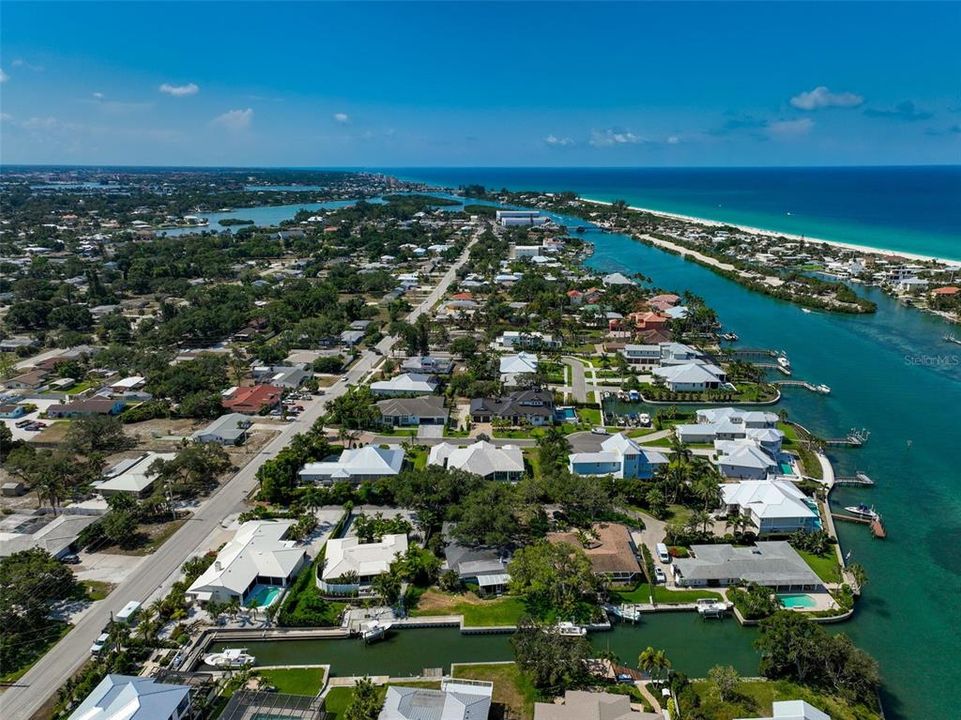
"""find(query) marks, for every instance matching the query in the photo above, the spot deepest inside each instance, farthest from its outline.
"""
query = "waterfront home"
(647, 320)
(620, 457)
(252, 400)
(356, 465)
(456, 700)
(129, 697)
(131, 477)
(609, 547)
(84, 408)
(793, 710)
(229, 429)
(691, 376)
(663, 302)
(484, 566)
(514, 218)
(584, 705)
(405, 384)
(412, 412)
(774, 506)
(709, 432)
(649, 355)
(427, 364)
(533, 406)
(480, 458)
(774, 564)
(744, 460)
(675, 353)
(360, 562)
(737, 416)
(258, 555)
(617, 278)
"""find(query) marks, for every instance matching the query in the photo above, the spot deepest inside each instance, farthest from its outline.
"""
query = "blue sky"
(403, 84)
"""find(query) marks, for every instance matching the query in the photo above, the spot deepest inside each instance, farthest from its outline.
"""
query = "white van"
(128, 613)
(663, 555)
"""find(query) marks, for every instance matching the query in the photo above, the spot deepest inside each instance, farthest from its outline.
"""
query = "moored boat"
(568, 629)
(230, 658)
(373, 631)
(823, 389)
(706, 607)
(862, 511)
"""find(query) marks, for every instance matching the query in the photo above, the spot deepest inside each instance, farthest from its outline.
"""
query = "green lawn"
(506, 610)
(532, 461)
(591, 416)
(826, 566)
(790, 433)
(338, 699)
(512, 689)
(755, 698)
(295, 681)
(81, 386)
(663, 596)
(418, 458)
(97, 589)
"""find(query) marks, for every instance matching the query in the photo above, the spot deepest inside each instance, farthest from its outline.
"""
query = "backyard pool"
(263, 596)
(786, 469)
(796, 601)
(565, 414)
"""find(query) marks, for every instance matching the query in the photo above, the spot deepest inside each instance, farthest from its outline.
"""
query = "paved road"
(21, 701)
(578, 382)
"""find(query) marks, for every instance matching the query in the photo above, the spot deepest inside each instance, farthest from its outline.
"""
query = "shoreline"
(790, 236)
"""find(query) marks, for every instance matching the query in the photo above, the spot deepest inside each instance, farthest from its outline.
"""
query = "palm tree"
(654, 662)
(859, 574)
(738, 523)
(679, 450)
(699, 520)
(387, 585)
(706, 488)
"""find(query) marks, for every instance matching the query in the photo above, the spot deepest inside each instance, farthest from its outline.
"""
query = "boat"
(823, 389)
(568, 629)
(806, 310)
(784, 362)
(863, 511)
(373, 631)
(706, 607)
(729, 336)
(634, 396)
(952, 339)
(230, 658)
(644, 420)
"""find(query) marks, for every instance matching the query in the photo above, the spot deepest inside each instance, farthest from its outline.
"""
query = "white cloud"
(5, 117)
(609, 137)
(98, 96)
(555, 141)
(821, 97)
(342, 117)
(41, 123)
(673, 140)
(235, 119)
(179, 90)
(3, 76)
(786, 129)
(20, 62)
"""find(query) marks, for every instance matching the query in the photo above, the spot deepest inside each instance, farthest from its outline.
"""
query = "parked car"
(599, 430)
(24, 422)
(71, 559)
(99, 644)
(659, 576)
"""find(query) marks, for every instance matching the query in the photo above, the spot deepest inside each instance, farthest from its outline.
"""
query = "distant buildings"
(513, 218)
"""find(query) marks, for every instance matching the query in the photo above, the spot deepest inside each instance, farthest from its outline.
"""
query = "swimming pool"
(786, 469)
(565, 414)
(797, 601)
(263, 596)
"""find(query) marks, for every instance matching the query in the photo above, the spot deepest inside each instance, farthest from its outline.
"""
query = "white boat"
(806, 310)
(784, 362)
(373, 631)
(230, 658)
(707, 607)
(644, 419)
(824, 389)
(863, 511)
(569, 629)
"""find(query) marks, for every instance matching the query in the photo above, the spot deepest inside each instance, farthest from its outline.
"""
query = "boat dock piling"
(855, 438)
(797, 383)
(859, 479)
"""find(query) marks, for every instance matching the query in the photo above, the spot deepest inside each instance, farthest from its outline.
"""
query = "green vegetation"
(753, 698)
(825, 566)
(662, 596)
(514, 693)
(496, 612)
(295, 681)
(97, 589)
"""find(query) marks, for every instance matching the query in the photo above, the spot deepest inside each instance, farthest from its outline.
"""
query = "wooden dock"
(876, 525)
(859, 479)
(855, 438)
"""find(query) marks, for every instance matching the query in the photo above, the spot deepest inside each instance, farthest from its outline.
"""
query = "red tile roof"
(253, 399)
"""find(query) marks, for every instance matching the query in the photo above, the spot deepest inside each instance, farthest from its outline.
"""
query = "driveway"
(578, 382)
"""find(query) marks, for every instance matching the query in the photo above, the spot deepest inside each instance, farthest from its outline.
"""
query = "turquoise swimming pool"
(263, 596)
(565, 414)
(786, 469)
(794, 601)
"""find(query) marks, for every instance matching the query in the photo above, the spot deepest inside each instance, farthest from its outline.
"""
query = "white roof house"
(127, 697)
(130, 476)
(522, 362)
(747, 418)
(744, 459)
(793, 710)
(481, 458)
(229, 429)
(133, 382)
(773, 505)
(456, 700)
(256, 553)
(619, 456)
(350, 555)
(356, 465)
(405, 384)
(691, 376)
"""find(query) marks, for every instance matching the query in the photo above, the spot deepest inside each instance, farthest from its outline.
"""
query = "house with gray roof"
(691, 376)
(128, 697)
(427, 364)
(774, 564)
(744, 460)
(414, 411)
(456, 700)
(492, 462)
(229, 429)
(533, 406)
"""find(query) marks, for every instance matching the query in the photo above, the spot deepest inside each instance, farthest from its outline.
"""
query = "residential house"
(132, 476)
(257, 555)
(83, 408)
(456, 700)
(485, 566)
(428, 365)
(647, 320)
(620, 457)
(584, 705)
(747, 418)
(793, 710)
(351, 337)
(744, 460)
(128, 384)
(609, 547)
(283, 376)
(532, 407)
(617, 279)
(515, 369)
(664, 301)
(229, 429)
(690, 377)
(130, 697)
(356, 465)
(480, 458)
(361, 562)
(774, 506)
(10, 411)
(411, 412)
(405, 384)
(774, 564)
(30, 380)
(512, 218)
(527, 339)
(649, 355)
(252, 400)
(56, 537)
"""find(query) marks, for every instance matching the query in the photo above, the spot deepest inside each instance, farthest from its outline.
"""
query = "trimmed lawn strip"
(512, 689)
(97, 589)
(825, 566)
(756, 697)
(642, 594)
(295, 681)
(477, 612)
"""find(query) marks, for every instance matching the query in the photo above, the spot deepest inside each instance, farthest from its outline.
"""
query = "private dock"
(859, 479)
(876, 525)
(855, 438)
(801, 384)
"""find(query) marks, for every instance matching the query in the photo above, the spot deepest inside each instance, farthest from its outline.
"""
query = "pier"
(855, 438)
(859, 479)
(801, 384)
(875, 524)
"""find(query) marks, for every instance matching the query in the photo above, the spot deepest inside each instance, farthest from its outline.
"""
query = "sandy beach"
(772, 233)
